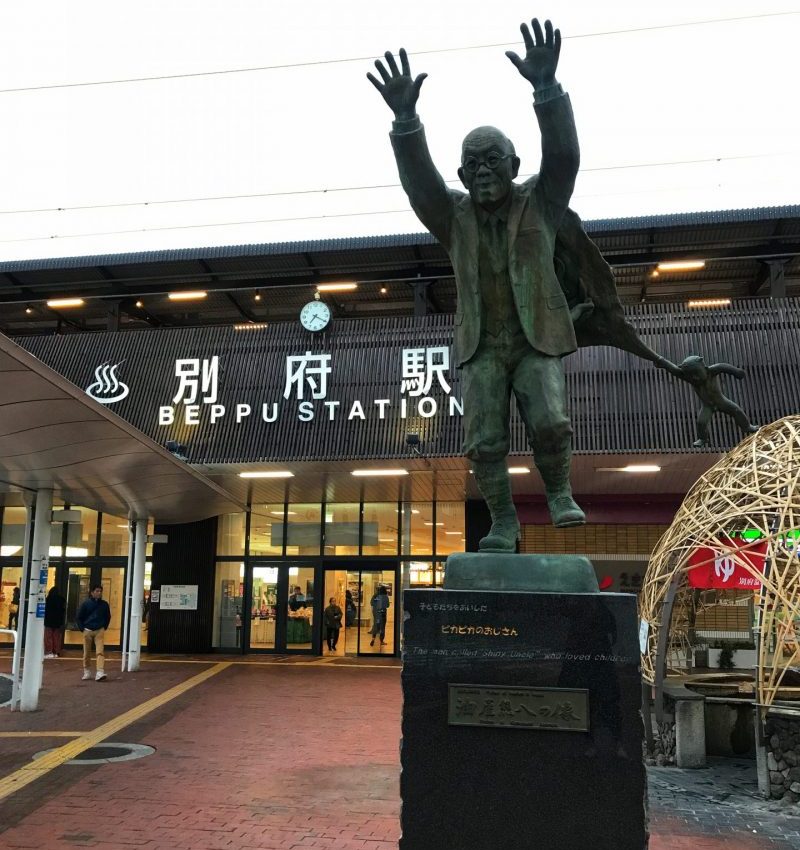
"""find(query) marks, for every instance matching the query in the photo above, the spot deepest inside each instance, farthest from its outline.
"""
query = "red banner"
(717, 568)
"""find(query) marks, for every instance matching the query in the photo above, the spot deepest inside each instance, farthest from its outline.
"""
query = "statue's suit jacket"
(537, 207)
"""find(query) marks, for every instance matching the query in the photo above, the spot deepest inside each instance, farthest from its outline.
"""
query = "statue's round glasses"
(471, 164)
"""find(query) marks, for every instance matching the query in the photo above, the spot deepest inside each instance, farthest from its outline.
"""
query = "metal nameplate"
(560, 709)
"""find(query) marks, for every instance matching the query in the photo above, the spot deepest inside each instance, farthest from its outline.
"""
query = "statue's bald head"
(482, 137)
(489, 165)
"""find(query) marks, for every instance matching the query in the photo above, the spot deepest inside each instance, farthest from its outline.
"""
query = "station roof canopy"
(53, 436)
(745, 252)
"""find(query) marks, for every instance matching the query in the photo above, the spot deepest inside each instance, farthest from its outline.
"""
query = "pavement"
(274, 754)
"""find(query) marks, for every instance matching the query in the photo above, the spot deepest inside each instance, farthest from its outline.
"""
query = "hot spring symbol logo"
(107, 388)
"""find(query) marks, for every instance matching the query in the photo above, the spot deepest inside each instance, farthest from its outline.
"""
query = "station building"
(343, 440)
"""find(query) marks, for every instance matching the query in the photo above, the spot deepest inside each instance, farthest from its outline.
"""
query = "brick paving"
(284, 757)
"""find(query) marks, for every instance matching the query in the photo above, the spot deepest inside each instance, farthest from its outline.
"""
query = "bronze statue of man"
(513, 323)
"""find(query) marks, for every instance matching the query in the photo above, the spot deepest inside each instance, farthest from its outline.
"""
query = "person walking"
(92, 619)
(13, 610)
(380, 606)
(332, 618)
(55, 612)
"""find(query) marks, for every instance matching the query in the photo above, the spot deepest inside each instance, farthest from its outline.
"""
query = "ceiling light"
(387, 539)
(384, 290)
(632, 467)
(414, 511)
(272, 473)
(337, 287)
(248, 326)
(709, 302)
(453, 532)
(65, 302)
(257, 296)
(518, 470)
(28, 310)
(188, 295)
(682, 266)
(370, 473)
(431, 523)
(140, 304)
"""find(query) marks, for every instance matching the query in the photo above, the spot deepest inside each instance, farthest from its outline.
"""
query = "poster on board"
(179, 597)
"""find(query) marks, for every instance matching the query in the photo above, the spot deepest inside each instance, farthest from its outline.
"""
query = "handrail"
(14, 677)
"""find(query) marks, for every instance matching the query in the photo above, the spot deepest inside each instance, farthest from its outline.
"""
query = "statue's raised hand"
(541, 56)
(398, 88)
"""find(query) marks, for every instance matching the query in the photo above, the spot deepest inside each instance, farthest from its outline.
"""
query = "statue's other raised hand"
(541, 57)
(398, 88)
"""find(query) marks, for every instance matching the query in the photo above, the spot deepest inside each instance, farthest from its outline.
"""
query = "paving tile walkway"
(282, 757)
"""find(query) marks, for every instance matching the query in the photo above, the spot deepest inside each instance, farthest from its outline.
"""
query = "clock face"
(315, 316)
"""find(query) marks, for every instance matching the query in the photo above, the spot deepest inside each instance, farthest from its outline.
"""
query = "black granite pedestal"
(521, 722)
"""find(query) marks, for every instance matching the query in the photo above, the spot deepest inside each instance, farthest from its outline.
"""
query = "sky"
(680, 107)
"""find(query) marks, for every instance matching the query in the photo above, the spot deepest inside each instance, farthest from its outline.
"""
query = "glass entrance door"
(374, 596)
(282, 607)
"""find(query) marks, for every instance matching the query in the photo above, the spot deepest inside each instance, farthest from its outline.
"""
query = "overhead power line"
(288, 65)
(329, 190)
(281, 219)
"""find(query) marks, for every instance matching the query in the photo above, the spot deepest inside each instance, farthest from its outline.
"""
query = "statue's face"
(694, 364)
(488, 167)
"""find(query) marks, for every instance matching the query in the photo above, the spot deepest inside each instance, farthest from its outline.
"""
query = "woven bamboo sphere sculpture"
(755, 486)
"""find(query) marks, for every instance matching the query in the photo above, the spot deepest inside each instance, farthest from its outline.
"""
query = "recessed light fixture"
(384, 290)
(140, 304)
(249, 326)
(682, 266)
(65, 302)
(337, 287)
(709, 302)
(270, 473)
(453, 532)
(432, 523)
(188, 295)
(257, 296)
(29, 310)
(377, 473)
(518, 470)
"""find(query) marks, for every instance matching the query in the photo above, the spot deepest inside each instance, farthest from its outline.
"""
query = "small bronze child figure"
(705, 381)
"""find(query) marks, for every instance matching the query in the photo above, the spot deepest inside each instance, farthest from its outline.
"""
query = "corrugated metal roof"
(360, 243)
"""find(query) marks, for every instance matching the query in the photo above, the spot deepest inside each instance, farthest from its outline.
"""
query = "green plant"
(726, 657)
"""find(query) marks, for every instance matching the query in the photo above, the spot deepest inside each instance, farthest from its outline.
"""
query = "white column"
(16, 662)
(137, 595)
(34, 636)
(127, 612)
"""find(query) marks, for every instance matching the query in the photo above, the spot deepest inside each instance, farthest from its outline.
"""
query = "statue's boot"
(564, 510)
(493, 482)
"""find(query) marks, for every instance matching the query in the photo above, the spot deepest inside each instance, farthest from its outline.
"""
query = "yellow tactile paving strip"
(42, 734)
(31, 772)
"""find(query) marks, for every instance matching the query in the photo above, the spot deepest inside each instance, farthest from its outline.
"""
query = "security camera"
(177, 449)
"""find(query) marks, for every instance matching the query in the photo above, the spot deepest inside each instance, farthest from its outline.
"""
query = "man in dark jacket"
(92, 619)
(513, 324)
